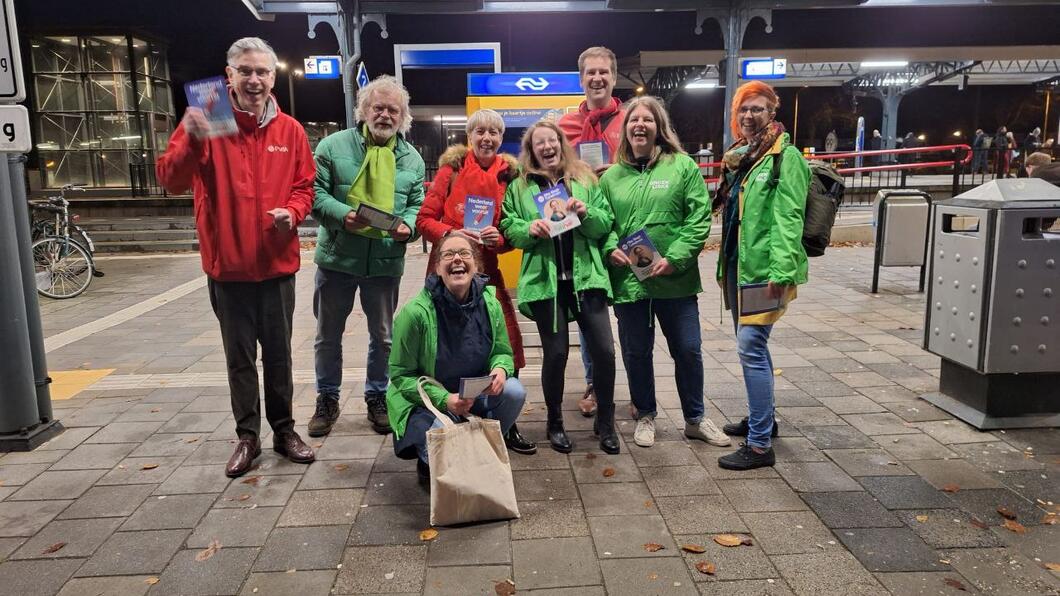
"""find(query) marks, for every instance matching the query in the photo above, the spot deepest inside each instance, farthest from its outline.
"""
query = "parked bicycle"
(62, 251)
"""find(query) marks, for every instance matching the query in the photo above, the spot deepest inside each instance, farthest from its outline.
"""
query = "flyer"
(211, 96)
(641, 252)
(552, 206)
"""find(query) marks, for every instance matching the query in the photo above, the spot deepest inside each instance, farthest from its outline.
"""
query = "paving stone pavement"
(861, 501)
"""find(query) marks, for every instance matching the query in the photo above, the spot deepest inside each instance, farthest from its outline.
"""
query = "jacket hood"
(455, 155)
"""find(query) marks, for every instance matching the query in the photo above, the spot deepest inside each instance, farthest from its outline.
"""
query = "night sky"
(199, 31)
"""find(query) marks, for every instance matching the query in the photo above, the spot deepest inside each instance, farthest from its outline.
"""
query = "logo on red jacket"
(276, 148)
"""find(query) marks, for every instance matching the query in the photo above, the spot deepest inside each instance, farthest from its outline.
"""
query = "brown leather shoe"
(243, 458)
(291, 445)
(587, 404)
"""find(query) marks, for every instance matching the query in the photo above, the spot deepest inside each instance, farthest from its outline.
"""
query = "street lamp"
(291, 74)
(795, 128)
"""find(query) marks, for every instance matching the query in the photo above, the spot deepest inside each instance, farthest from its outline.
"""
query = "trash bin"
(901, 220)
(993, 304)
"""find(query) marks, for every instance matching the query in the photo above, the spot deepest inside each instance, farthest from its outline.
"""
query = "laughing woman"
(563, 278)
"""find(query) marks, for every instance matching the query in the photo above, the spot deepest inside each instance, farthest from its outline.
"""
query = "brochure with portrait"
(552, 206)
(594, 153)
(478, 212)
(472, 387)
(211, 96)
(755, 300)
(378, 219)
(641, 252)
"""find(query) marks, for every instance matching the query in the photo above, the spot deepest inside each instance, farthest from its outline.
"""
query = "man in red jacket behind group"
(251, 191)
(595, 130)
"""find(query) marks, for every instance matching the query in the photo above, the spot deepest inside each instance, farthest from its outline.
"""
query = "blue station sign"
(763, 68)
(524, 83)
(323, 67)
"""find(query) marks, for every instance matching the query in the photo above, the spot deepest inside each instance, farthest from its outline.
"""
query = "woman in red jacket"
(482, 174)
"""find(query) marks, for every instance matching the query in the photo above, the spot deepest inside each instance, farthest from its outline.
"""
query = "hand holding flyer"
(478, 213)
(378, 219)
(473, 387)
(552, 206)
(641, 253)
(211, 96)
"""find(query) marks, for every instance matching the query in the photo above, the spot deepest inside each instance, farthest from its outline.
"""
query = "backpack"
(823, 198)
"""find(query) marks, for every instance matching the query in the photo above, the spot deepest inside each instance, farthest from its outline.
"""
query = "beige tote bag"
(471, 476)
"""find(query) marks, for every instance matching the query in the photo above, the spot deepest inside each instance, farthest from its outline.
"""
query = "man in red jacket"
(595, 131)
(251, 190)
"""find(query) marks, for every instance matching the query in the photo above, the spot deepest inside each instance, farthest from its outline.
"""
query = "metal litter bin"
(993, 304)
(901, 218)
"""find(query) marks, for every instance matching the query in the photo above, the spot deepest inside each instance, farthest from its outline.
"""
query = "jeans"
(332, 305)
(504, 408)
(752, 344)
(587, 362)
(590, 312)
(679, 320)
(251, 313)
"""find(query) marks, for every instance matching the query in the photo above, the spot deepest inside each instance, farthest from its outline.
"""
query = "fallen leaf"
(648, 504)
(151, 581)
(979, 523)
(653, 576)
(1052, 566)
(777, 372)
(317, 445)
(155, 410)
(53, 548)
(252, 480)
(693, 548)
(706, 567)
(428, 534)
(921, 518)
(1006, 512)
(1014, 526)
(732, 540)
(609, 472)
(389, 575)
(504, 588)
(590, 456)
(190, 440)
(208, 552)
(951, 488)
(148, 466)
(342, 467)
(955, 584)
(652, 547)
(1050, 519)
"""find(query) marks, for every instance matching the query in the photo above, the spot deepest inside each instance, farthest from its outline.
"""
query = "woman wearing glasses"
(453, 329)
(562, 278)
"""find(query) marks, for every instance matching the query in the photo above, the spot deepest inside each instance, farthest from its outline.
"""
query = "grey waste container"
(901, 217)
(993, 304)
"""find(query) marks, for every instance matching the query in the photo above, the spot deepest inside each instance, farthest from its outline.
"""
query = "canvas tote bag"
(471, 476)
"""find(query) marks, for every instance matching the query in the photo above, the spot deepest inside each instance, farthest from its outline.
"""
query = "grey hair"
(250, 44)
(486, 118)
(385, 83)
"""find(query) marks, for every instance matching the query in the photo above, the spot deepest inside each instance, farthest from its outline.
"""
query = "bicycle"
(63, 265)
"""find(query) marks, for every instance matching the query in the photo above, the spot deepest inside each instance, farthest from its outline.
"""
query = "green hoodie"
(415, 350)
(537, 274)
(339, 158)
(669, 201)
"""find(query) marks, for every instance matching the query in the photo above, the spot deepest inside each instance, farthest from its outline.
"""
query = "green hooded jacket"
(670, 202)
(537, 273)
(339, 157)
(415, 350)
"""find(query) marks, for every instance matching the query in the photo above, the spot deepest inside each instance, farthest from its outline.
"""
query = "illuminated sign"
(764, 68)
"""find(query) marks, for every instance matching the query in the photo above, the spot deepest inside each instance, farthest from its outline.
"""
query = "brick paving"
(135, 486)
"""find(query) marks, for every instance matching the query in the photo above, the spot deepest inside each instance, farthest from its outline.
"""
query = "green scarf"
(374, 184)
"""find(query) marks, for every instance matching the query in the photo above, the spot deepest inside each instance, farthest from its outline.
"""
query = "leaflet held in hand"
(472, 387)
(211, 96)
(641, 252)
(594, 153)
(552, 206)
(478, 212)
(378, 219)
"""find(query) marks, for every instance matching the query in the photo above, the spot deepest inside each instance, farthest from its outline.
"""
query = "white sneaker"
(706, 431)
(644, 434)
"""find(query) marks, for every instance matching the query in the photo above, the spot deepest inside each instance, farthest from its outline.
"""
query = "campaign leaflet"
(472, 387)
(478, 212)
(641, 252)
(211, 96)
(378, 219)
(594, 153)
(552, 206)
(755, 300)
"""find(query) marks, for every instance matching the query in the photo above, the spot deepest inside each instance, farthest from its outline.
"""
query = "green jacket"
(669, 200)
(339, 158)
(771, 222)
(537, 274)
(415, 350)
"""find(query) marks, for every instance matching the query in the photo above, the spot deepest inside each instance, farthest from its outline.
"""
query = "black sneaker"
(515, 441)
(377, 416)
(741, 428)
(325, 416)
(746, 458)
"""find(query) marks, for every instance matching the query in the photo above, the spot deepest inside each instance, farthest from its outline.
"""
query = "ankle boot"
(604, 427)
(557, 437)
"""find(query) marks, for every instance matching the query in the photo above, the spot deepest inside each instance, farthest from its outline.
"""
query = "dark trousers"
(251, 313)
(591, 314)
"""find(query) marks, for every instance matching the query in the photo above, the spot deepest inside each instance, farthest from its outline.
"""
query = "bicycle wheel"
(63, 267)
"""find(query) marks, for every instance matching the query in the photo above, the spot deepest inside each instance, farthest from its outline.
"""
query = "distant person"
(908, 142)
(978, 151)
(876, 144)
(1033, 142)
(1001, 153)
(831, 142)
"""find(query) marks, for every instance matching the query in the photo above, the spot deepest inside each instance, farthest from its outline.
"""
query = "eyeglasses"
(449, 255)
(754, 110)
(246, 71)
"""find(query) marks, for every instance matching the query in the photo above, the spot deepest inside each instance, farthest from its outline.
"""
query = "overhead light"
(956, 133)
(298, 73)
(66, 40)
(640, 89)
(281, 65)
(885, 63)
(450, 118)
(702, 84)
(125, 138)
(921, 137)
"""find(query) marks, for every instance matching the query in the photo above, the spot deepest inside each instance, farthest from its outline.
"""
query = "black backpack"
(823, 198)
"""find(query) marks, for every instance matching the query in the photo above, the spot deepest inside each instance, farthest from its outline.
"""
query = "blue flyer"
(211, 96)
(641, 252)
(478, 212)
(552, 206)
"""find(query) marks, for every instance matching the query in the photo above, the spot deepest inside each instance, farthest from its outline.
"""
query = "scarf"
(743, 154)
(591, 130)
(473, 180)
(375, 181)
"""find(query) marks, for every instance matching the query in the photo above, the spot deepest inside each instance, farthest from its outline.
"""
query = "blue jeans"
(504, 408)
(752, 344)
(332, 304)
(587, 362)
(679, 320)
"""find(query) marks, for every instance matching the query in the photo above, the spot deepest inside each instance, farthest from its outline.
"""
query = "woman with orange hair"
(763, 199)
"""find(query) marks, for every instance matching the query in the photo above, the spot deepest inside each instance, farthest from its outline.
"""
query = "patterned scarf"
(743, 154)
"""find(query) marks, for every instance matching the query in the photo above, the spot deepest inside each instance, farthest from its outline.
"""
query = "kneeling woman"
(454, 328)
